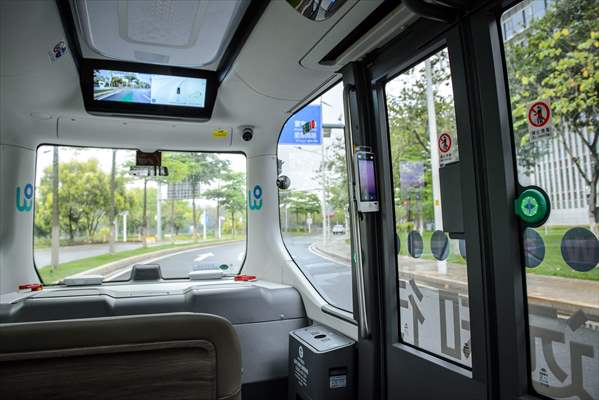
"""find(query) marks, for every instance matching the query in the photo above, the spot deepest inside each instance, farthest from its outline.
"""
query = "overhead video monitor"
(137, 87)
(149, 90)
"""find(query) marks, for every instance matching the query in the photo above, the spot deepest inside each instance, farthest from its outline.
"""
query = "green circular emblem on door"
(532, 206)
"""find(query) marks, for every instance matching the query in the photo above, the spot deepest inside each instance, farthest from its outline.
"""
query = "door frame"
(404, 360)
(496, 276)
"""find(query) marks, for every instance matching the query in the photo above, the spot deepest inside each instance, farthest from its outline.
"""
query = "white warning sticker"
(448, 149)
(337, 381)
(538, 116)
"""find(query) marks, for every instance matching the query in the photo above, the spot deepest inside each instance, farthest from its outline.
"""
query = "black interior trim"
(367, 24)
(337, 313)
(244, 29)
(68, 24)
(435, 12)
(273, 389)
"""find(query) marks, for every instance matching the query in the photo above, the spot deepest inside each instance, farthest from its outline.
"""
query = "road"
(331, 278)
(130, 96)
(179, 264)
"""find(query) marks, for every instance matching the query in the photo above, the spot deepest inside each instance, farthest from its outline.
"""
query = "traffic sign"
(304, 127)
(448, 151)
(539, 121)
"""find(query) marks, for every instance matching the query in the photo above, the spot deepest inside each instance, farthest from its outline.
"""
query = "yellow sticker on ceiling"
(220, 133)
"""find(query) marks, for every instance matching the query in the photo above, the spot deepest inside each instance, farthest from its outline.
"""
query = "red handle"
(244, 278)
(35, 287)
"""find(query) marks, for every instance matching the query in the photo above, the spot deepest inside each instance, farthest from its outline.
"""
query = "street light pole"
(158, 213)
(432, 130)
(125, 213)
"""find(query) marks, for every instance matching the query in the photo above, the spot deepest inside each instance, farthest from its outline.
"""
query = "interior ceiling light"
(174, 32)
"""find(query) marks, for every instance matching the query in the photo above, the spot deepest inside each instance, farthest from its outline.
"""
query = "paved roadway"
(179, 264)
(130, 96)
(331, 278)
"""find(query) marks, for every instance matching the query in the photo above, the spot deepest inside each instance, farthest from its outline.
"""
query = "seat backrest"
(167, 356)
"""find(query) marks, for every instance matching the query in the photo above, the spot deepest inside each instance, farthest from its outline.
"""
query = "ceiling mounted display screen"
(116, 87)
(137, 87)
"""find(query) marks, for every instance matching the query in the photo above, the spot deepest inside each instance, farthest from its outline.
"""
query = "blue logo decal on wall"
(26, 203)
(255, 198)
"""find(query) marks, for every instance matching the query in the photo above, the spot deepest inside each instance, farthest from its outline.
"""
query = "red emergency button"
(245, 278)
(34, 287)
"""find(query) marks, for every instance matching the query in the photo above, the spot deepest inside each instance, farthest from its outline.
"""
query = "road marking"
(312, 249)
(240, 256)
(128, 269)
(202, 257)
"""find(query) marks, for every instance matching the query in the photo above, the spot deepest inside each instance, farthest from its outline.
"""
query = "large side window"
(94, 217)
(314, 210)
(553, 74)
(432, 265)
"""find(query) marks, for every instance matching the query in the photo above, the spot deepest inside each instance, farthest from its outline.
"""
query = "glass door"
(434, 298)
(552, 54)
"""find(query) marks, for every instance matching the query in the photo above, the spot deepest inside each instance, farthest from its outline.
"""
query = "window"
(432, 267)
(314, 210)
(192, 219)
(557, 64)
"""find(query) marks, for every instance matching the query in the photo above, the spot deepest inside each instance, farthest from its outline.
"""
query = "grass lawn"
(553, 263)
(84, 264)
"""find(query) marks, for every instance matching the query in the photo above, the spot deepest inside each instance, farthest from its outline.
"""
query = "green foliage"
(135, 208)
(84, 195)
(334, 178)
(201, 169)
(409, 133)
(301, 204)
(557, 59)
(84, 198)
(229, 192)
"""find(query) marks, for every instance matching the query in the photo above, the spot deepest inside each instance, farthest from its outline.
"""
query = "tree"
(557, 59)
(336, 177)
(202, 168)
(177, 172)
(83, 197)
(178, 213)
(137, 221)
(230, 193)
(409, 134)
(303, 203)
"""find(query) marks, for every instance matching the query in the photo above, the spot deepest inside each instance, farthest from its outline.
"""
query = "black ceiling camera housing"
(283, 182)
(247, 134)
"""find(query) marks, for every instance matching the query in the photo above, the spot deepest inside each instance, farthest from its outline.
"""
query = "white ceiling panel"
(190, 33)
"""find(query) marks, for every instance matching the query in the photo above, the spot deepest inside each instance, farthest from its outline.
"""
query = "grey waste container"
(321, 364)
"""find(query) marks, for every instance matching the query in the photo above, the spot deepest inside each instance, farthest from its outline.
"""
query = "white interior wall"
(17, 166)
(40, 102)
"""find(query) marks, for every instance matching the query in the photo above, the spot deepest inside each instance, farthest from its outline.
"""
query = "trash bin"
(321, 364)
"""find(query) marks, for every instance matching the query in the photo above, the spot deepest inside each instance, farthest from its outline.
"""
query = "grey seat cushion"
(168, 356)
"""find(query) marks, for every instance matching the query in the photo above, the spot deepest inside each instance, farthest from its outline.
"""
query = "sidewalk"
(565, 294)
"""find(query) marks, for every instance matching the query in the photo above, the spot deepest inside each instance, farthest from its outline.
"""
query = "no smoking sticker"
(448, 151)
(539, 121)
